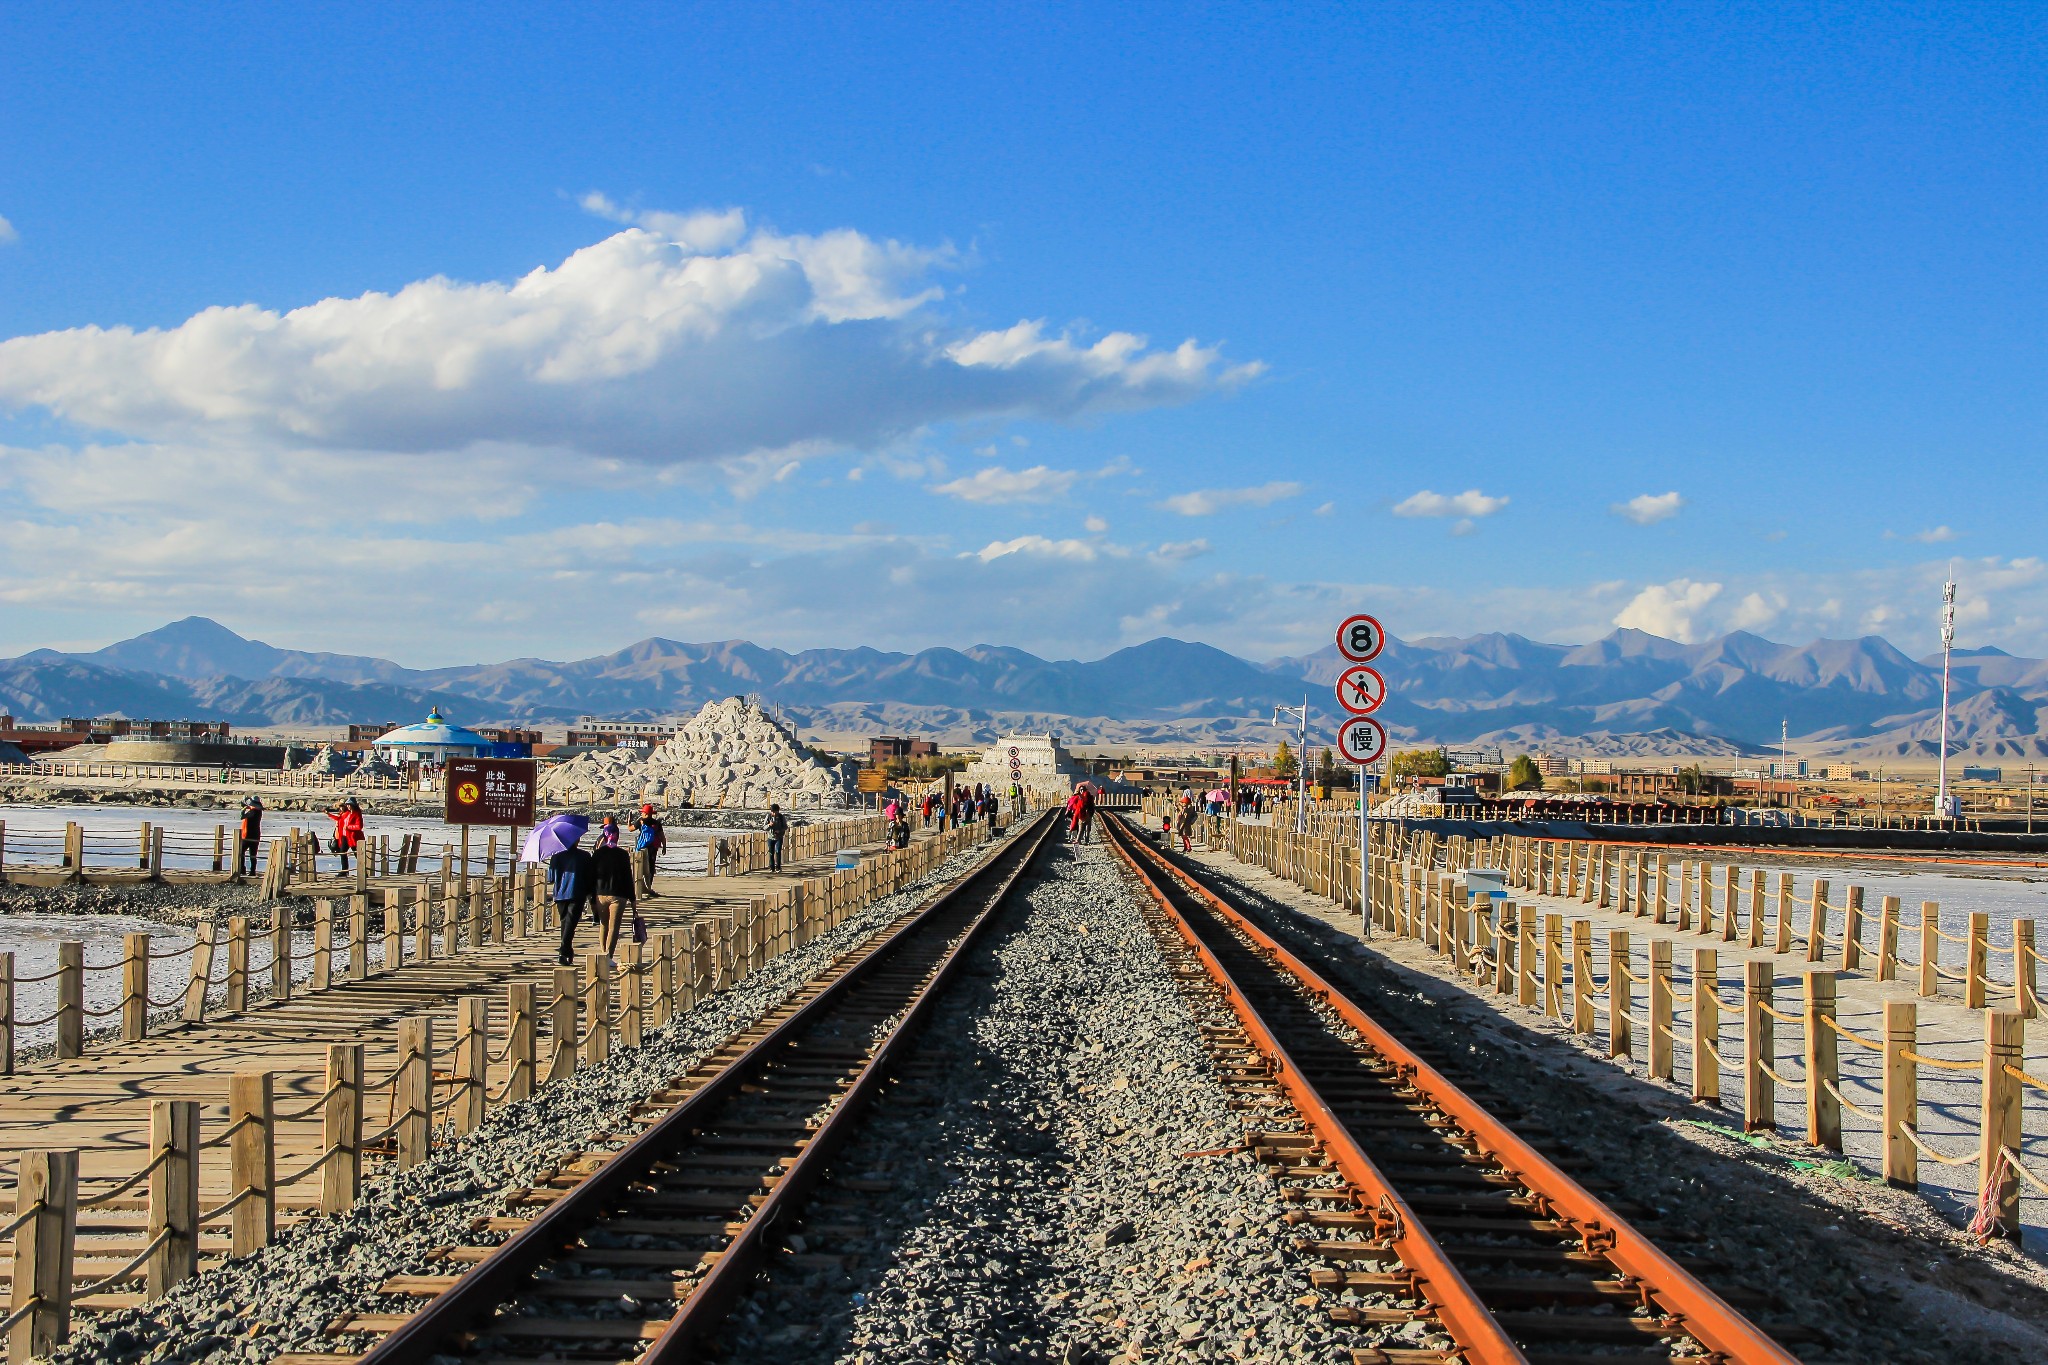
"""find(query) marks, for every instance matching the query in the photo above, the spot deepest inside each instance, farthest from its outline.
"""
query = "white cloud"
(7, 233)
(996, 485)
(1669, 609)
(1175, 551)
(1647, 509)
(1327, 509)
(1755, 611)
(1095, 524)
(1209, 501)
(1935, 536)
(1470, 503)
(1037, 545)
(683, 338)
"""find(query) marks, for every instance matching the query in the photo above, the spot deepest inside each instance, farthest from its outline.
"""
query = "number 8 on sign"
(1362, 740)
(1360, 639)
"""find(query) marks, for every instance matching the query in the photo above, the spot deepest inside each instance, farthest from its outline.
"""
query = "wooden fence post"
(415, 1096)
(1553, 965)
(472, 1060)
(1620, 995)
(1706, 1025)
(341, 1128)
(1817, 922)
(425, 912)
(1977, 961)
(252, 1162)
(134, 987)
(521, 1056)
(70, 999)
(358, 938)
(1781, 936)
(323, 945)
(173, 1195)
(2023, 980)
(6, 1014)
(562, 1015)
(1852, 931)
(597, 978)
(1731, 917)
(1901, 1092)
(1660, 1008)
(665, 977)
(235, 991)
(1823, 1110)
(1759, 1046)
(1525, 958)
(1999, 1123)
(281, 955)
(632, 994)
(47, 1190)
(1930, 948)
(1582, 973)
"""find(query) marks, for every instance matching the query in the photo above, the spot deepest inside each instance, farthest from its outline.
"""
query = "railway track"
(638, 1253)
(1425, 1207)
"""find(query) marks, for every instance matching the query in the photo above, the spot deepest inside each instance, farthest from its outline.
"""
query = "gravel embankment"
(165, 902)
(1040, 1205)
(1876, 1272)
(281, 1298)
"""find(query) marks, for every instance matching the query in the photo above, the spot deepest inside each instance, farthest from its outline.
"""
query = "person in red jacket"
(348, 828)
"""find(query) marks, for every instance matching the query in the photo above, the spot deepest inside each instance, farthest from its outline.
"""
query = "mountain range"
(1629, 694)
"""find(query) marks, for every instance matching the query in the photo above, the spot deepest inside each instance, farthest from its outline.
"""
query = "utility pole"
(1948, 640)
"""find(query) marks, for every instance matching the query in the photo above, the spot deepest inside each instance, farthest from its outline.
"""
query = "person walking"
(1076, 806)
(778, 829)
(569, 885)
(248, 836)
(1087, 813)
(1187, 823)
(648, 844)
(611, 890)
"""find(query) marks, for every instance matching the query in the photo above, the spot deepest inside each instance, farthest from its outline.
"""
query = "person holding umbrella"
(556, 842)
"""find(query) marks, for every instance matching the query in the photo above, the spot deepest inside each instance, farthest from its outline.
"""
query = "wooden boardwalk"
(704, 933)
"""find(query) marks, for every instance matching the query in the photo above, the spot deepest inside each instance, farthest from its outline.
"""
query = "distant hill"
(1628, 693)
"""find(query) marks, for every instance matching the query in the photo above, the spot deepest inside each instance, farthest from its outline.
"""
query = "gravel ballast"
(282, 1298)
(1027, 1183)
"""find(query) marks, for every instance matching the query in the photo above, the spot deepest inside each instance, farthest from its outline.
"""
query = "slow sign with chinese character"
(490, 791)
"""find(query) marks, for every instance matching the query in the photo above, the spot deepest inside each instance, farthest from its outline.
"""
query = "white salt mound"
(731, 753)
(329, 763)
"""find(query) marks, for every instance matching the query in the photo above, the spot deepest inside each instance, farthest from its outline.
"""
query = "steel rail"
(730, 1277)
(484, 1286)
(1695, 1309)
(1436, 1278)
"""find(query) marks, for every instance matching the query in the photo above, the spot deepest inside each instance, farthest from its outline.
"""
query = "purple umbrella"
(551, 836)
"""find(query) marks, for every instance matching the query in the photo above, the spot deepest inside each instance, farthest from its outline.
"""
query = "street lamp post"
(1948, 640)
(1299, 714)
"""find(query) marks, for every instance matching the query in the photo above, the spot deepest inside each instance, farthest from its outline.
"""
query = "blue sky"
(1533, 318)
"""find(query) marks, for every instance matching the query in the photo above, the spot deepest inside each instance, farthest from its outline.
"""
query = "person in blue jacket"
(569, 882)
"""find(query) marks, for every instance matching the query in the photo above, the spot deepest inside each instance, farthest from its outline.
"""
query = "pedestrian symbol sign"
(1360, 689)
(1362, 740)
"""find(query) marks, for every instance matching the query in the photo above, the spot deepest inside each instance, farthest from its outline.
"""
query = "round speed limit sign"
(1360, 689)
(1360, 639)
(1362, 740)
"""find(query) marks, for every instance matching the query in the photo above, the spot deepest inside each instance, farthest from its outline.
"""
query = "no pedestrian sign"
(490, 791)
(1362, 740)
(1360, 689)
